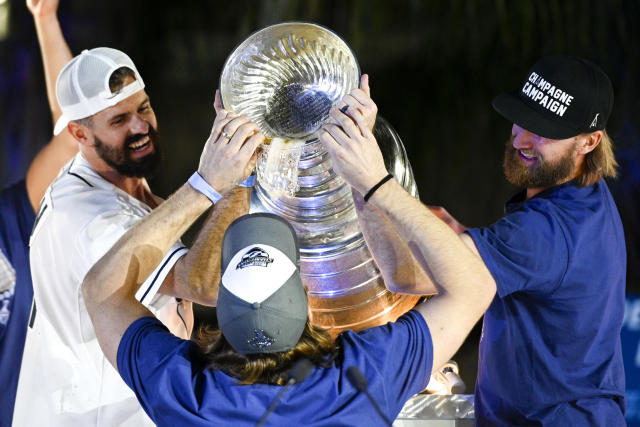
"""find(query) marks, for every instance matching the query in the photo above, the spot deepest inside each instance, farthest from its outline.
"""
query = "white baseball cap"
(82, 87)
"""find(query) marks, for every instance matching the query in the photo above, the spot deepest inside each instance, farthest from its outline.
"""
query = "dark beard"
(120, 158)
(542, 175)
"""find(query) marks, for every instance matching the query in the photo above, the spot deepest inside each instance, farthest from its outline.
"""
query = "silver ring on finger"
(225, 135)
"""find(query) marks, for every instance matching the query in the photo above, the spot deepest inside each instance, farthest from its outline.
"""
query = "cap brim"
(260, 228)
(61, 124)
(514, 109)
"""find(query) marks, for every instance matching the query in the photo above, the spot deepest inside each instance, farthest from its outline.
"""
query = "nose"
(522, 138)
(138, 125)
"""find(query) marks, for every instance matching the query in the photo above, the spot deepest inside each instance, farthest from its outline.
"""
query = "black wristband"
(375, 187)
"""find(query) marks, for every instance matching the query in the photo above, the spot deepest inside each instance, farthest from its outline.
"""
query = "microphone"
(358, 380)
(296, 374)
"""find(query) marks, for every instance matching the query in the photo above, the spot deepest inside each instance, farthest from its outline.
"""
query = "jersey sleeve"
(157, 366)
(102, 232)
(525, 251)
(396, 359)
(147, 293)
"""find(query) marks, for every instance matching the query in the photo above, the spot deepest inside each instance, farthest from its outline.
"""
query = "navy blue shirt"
(174, 390)
(550, 352)
(16, 222)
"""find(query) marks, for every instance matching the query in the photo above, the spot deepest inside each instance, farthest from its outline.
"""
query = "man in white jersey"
(101, 193)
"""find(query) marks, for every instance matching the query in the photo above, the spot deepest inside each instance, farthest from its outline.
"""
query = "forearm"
(55, 55)
(109, 287)
(434, 244)
(399, 268)
(197, 274)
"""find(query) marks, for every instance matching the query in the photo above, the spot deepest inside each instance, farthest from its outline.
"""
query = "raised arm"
(466, 288)
(55, 54)
(109, 287)
(53, 47)
(195, 277)
(400, 270)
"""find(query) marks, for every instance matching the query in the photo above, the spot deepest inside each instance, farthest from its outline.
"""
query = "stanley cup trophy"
(285, 78)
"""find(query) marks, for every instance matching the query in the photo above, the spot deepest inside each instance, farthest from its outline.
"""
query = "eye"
(144, 109)
(118, 121)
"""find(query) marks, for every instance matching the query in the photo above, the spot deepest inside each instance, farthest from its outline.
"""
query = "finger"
(346, 123)
(235, 124)
(251, 166)
(242, 134)
(340, 136)
(248, 150)
(219, 123)
(217, 102)
(362, 99)
(352, 101)
(364, 84)
(329, 142)
(350, 110)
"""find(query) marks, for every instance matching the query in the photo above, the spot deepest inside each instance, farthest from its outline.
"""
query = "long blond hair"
(599, 163)
(315, 344)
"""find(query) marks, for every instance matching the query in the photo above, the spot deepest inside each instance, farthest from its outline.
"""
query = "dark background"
(434, 65)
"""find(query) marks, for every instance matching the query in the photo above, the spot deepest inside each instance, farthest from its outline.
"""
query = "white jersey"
(65, 380)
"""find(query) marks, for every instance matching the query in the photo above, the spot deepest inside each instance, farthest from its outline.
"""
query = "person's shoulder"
(75, 195)
(409, 323)
(575, 206)
(71, 185)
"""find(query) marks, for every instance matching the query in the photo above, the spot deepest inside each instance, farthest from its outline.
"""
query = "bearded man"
(97, 197)
(550, 352)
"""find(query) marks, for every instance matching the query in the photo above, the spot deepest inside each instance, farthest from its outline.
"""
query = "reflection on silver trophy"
(285, 78)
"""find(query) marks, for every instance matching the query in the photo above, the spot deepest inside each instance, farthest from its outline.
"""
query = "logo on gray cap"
(256, 257)
(259, 340)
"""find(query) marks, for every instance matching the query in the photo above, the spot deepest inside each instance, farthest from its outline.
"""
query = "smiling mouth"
(140, 144)
(528, 157)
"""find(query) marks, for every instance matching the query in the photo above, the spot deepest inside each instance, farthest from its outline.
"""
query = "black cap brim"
(511, 107)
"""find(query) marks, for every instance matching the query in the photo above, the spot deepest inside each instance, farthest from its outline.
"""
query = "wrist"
(199, 184)
(46, 18)
(376, 187)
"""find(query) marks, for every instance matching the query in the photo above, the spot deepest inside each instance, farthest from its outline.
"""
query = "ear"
(79, 132)
(589, 141)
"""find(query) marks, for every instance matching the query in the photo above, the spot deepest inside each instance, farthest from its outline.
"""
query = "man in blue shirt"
(550, 351)
(18, 204)
(235, 374)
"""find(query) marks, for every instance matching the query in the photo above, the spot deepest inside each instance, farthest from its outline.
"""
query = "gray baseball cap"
(262, 305)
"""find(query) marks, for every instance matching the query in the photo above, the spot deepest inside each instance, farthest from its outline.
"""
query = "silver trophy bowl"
(286, 77)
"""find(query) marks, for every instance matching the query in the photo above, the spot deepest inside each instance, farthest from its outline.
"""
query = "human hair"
(116, 82)
(315, 344)
(117, 78)
(599, 163)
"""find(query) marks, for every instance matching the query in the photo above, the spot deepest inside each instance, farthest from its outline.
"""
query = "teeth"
(139, 144)
(527, 155)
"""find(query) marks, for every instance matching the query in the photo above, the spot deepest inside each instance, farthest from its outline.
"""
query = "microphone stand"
(358, 380)
(296, 374)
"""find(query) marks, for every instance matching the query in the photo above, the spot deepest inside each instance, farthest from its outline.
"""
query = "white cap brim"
(61, 124)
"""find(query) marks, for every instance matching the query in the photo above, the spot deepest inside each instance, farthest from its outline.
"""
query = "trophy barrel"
(344, 284)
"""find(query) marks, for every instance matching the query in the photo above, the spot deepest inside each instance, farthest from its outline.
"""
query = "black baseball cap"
(561, 97)
(262, 305)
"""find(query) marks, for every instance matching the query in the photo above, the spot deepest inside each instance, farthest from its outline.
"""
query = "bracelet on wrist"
(199, 184)
(375, 187)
